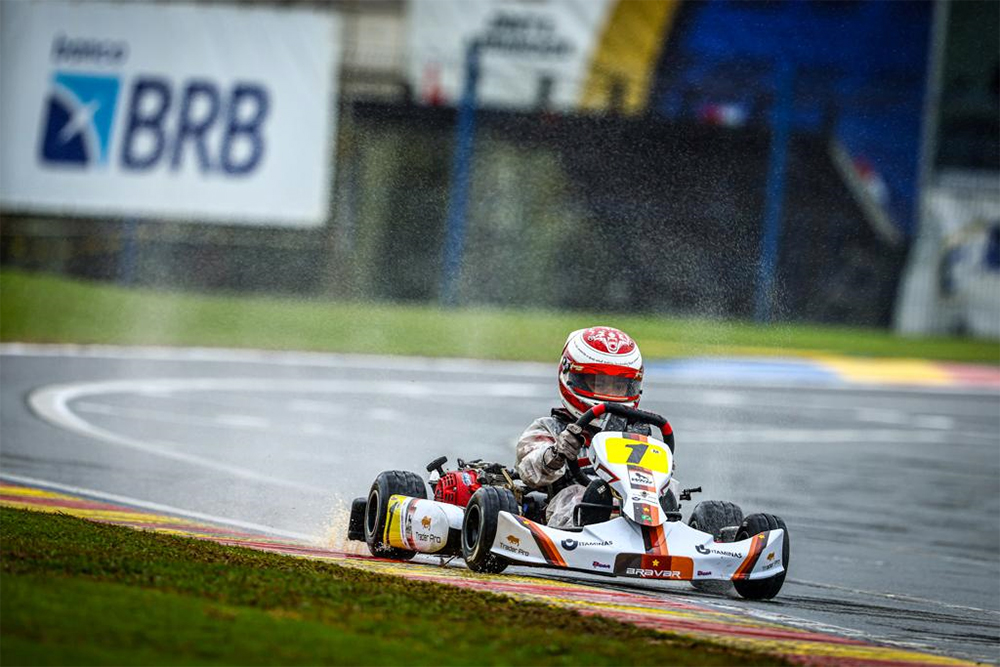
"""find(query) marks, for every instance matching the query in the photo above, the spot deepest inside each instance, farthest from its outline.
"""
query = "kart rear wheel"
(387, 484)
(479, 528)
(763, 589)
(711, 516)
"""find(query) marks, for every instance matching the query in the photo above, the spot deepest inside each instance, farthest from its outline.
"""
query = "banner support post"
(461, 176)
(781, 120)
(129, 252)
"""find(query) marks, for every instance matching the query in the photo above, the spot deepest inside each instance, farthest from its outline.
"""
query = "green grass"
(76, 592)
(41, 308)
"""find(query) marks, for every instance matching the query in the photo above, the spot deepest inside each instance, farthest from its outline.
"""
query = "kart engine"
(457, 486)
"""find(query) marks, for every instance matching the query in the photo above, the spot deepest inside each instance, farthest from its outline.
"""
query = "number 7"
(638, 451)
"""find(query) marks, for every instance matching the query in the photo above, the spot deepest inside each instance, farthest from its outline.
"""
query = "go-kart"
(629, 523)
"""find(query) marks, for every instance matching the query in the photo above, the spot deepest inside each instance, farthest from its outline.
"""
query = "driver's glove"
(567, 446)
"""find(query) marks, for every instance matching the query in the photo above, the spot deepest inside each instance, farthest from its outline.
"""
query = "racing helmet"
(599, 365)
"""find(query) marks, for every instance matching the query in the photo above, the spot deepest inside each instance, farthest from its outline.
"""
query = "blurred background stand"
(733, 161)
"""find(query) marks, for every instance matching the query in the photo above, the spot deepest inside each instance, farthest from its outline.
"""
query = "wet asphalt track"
(892, 497)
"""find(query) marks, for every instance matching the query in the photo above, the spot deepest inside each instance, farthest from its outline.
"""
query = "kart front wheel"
(387, 484)
(711, 516)
(479, 528)
(763, 589)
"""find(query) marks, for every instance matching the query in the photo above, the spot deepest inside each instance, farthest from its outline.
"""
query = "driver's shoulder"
(550, 423)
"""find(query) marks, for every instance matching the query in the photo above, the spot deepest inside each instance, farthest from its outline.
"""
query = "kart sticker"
(641, 479)
(646, 514)
(415, 525)
(756, 549)
(411, 509)
(512, 544)
(637, 451)
(545, 545)
(654, 538)
(654, 566)
(393, 526)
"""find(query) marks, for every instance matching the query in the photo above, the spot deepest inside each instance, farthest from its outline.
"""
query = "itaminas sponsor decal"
(702, 549)
(570, 544)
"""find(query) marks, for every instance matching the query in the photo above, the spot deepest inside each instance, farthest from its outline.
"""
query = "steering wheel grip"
(633, 414)
(620, 410)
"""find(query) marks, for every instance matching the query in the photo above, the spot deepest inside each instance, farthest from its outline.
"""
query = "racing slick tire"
(763, 589)
(479, 528)
(711, 516)
(387, 484)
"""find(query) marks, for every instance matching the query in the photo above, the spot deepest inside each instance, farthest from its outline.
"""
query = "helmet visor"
(610, 387)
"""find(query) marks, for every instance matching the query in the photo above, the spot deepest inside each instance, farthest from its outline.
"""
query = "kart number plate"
(636, 453)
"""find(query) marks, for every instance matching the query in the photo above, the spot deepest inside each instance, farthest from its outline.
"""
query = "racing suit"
(534, 461)
(533, 465)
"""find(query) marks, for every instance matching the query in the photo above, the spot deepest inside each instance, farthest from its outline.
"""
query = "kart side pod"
(416, 524)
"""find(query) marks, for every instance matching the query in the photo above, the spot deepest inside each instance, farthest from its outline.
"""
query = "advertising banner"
(952, 279)
(552, 54)
(216, 114)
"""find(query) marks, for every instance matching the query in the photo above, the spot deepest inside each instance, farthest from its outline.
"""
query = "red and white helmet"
(599, 365)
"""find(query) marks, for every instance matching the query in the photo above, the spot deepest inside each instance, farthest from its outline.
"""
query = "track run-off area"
(890, 485)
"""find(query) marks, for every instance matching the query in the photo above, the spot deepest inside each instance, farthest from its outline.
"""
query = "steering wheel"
(631, 414)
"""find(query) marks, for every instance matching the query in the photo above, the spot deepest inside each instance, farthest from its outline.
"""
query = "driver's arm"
(538, 462)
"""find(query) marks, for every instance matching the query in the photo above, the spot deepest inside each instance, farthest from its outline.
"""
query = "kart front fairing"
(672, 550)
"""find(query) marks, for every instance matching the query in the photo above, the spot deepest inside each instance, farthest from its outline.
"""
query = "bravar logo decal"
(647, 573)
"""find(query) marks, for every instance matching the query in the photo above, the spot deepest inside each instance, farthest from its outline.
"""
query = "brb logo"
(81, 112)
(164, 122)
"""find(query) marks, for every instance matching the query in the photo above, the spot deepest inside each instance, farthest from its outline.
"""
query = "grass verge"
(40, 308)
(76, 592)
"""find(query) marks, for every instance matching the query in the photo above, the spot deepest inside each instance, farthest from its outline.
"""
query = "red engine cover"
(456, 487)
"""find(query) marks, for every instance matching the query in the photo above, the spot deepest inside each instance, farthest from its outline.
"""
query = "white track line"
(155, 507)
(51, 405)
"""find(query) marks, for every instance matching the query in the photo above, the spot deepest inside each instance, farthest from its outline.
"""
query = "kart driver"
(598, 365)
